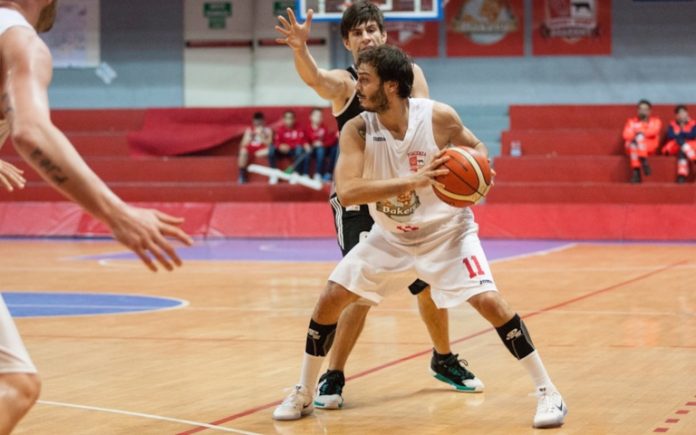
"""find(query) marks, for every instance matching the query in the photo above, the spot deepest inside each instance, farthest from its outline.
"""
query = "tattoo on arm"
(362, 131)
(54, 171)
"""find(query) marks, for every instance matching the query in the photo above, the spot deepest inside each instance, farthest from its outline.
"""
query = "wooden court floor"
(615, 324)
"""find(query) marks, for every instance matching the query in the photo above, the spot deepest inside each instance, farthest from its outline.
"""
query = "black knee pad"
(516, 337)
(319, 338)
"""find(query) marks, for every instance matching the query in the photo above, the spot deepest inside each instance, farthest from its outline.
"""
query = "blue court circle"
(52, 304)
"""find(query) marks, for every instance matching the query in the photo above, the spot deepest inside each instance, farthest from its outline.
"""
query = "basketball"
(469, 179)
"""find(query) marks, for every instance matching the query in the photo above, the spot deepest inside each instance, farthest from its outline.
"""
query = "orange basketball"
(469, 179)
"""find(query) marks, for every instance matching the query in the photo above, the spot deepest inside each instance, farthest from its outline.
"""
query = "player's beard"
(47, 18)
(378, 102)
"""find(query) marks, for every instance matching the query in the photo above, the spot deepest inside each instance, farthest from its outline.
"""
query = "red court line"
(674, 420)
(459, 340)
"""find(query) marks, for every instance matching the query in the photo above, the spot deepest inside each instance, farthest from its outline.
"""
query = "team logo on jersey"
(400, 208)
(416, 160)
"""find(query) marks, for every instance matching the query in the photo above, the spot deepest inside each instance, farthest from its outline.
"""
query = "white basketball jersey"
(9, 18)
(415, 215)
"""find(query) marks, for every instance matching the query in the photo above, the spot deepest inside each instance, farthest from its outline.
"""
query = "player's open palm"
(295, 35)
(143, 231)
(11, 176)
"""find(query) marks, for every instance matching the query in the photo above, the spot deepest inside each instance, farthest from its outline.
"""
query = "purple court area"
(316, 250)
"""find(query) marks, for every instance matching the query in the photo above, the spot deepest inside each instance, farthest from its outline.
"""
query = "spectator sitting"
(255, 143)
(641, 135)
(681, 141)
(317, 138)
(289, 142)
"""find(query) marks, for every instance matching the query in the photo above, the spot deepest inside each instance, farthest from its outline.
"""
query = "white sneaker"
(298, 404)
(551, 409)
(273, 180)
(317, 177)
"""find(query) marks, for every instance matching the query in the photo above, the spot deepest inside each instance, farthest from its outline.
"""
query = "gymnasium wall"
(653, 45)
(142, 42)
(653, 57)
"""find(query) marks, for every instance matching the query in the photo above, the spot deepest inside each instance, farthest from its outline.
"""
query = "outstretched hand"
(11, 176)
(143, 231)
(295, 35)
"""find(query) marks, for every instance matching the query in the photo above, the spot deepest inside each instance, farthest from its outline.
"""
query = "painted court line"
(147, 416)
(672, 420)
(392, 363)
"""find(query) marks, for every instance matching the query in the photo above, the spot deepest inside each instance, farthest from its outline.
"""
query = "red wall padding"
(178, 131)
(314, 219)
(608, 116)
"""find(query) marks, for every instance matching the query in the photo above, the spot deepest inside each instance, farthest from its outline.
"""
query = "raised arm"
(449, 130)
(329, 85)
(420, 85)
(27, 68)
(353, 189)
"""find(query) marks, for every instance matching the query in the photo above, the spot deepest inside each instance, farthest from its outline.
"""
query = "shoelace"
(546, 402)
(293, 392)
(454, 365)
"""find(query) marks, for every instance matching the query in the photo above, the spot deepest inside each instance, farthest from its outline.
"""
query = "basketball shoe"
(329, 390)
(453, 372)
(297, 405)
(551, 409)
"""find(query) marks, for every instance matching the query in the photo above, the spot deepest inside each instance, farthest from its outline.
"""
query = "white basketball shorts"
(453, 263)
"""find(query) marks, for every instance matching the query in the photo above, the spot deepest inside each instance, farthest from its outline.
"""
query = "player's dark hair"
(316, 109)
(392, 65)
(679, 108)
(646, 102)
(258, 116)
(361, 12)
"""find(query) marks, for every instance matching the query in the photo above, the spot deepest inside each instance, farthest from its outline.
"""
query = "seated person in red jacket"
(642, 135)
(318, 138)
(289, 141)
(681, 141)
(255, 143)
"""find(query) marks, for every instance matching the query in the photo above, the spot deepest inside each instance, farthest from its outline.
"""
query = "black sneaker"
(681, 179)
(453, 372)
(636, 178)
(329, 390)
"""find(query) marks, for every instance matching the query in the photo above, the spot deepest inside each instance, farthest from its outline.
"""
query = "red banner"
(485, 27)
(417, 38)
(572, 27)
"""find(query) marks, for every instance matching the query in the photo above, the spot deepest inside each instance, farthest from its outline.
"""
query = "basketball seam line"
(464, 181)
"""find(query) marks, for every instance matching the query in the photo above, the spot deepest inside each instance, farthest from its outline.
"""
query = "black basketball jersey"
(352, 107)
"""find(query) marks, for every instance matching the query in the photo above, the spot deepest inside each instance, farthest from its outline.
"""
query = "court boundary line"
(398, 361)
(146, 416)
(119, 259)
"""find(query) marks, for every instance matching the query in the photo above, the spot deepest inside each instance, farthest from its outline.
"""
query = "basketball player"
(429, 239)
(25, 73)
(362, 26)
(255, 143)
